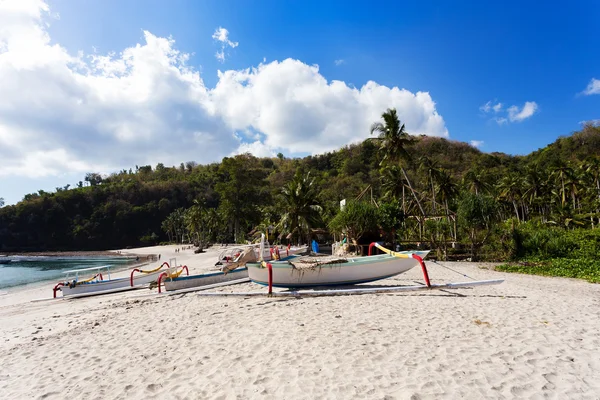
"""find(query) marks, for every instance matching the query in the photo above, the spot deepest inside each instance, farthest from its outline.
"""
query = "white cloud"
(339, 62)
(257, 148)
(477, 143)
(61, 112)
(222, 35)
(486, 107)
(593, 87)
(517, 115)
(489, 106)
(296, 109)
(512, 113)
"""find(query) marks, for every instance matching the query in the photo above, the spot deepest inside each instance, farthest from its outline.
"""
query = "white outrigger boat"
(211, 278)
(311, 271)
(232, 264)
(73, 287)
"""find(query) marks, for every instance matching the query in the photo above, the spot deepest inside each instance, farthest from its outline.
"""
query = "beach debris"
(480, 322)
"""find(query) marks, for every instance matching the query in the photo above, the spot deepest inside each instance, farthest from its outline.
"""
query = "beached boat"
(211, 278)
(232, 255)
(310, 271)
(72, 286)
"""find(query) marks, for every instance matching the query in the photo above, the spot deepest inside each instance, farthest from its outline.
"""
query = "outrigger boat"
(263, 252)
(356, 290)
(232, 264)
(72, 286)
(238, 272)
(311, 271)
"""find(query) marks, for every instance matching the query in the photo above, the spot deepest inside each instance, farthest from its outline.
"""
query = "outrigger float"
(73, 287)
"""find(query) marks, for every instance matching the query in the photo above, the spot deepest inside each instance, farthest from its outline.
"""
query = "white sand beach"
(530, 337)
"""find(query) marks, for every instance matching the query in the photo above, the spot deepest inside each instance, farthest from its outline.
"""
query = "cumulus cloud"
(476, 143)
(143, 105)
(593, 87)
(299, 110)
(516, 114)
(222, 35)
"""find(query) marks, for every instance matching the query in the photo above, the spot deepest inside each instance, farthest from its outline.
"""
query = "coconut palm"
(510, 190)
(431, 169)
(300, 205)
(476, 180)
(393, 139)
(561, 173)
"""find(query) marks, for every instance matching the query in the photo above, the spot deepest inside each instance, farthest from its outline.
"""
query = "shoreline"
(111, 253)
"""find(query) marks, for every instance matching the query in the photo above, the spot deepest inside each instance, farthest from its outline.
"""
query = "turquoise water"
(24, 270)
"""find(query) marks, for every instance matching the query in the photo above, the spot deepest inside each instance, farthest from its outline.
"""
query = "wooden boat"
(331, 270)
(72, 286)
(186, 282)
(231, 256)
(232, 269)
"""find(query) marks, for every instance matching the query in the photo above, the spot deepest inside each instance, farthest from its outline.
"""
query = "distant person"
(159, 256)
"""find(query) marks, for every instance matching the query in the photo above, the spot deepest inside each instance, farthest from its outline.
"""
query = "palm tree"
(393, 139)
(535, 189)
(301, 208)
(510, 190)
(476, 180)
(561, 173)
(447, 190)
(430, 168)
(393, 184)
(591, 166)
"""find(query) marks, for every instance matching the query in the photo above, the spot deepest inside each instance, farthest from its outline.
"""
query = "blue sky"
(537, 58)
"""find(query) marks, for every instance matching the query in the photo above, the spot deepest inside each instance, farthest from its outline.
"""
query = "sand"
(531, 337)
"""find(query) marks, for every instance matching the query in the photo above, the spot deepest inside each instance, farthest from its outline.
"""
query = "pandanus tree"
(301, 209)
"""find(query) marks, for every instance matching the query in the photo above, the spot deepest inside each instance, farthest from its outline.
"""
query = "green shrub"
(582, 268)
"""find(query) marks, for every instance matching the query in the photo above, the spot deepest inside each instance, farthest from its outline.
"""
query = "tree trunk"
(412, 190)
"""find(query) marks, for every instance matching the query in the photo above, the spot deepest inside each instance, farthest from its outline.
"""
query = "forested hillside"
(420, 181)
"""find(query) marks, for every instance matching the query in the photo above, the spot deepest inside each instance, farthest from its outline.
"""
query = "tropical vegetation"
(406, 190)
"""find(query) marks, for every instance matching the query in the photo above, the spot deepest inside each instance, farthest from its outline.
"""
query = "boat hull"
(355, 270)
(111, 286)
(186, 282)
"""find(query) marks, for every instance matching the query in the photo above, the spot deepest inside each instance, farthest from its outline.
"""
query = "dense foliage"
(426, 190)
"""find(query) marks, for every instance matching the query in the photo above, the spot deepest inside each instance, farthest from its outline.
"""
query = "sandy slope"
(531, 337)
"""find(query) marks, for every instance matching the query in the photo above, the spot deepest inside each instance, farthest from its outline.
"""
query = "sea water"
(24, 270)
